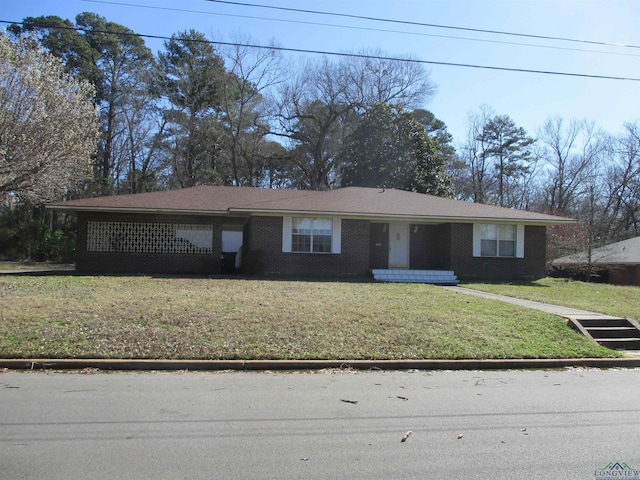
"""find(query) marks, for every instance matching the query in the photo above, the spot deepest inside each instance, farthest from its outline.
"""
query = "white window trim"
(519, 241)
(287, 230)
(336, 236)
(336, 241)
(477, 237)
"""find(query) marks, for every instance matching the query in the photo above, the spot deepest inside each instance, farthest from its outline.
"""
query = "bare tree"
(621, 200)
(321, 106)
(314, 113)
(372, 79)
(137, 149)
(607, 201)
(48, 125)
(246, 102)
(569, 153)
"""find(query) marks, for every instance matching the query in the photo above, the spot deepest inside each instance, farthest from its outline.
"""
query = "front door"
(399, 245)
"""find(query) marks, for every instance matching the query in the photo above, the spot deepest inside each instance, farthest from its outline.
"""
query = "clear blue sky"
(527, 98)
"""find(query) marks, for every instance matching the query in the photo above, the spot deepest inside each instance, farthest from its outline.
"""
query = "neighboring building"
(617, 263)
(348, 231)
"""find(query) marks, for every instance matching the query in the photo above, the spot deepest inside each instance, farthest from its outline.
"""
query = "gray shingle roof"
(352, 201)
(619, 253)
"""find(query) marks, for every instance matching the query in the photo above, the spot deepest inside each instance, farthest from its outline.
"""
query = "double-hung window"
(497, 240)
(312, 235)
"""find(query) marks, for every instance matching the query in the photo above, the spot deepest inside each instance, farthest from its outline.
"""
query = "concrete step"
(621, 343)
(614, 333)
(604, 322)
(438, 277)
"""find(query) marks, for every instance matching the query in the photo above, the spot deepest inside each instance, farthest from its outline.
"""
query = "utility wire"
(420, 24)
(353, 27)
(342, 54)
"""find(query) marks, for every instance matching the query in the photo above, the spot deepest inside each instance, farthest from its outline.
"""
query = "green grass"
(612, 300)
(197, 318)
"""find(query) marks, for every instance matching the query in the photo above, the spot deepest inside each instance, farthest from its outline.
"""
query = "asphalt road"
(488, 425)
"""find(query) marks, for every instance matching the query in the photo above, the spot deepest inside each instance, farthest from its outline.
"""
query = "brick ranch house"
(617, 263)
(348, 231)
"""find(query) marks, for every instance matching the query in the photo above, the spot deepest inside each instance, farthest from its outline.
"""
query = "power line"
(342, 54)
(420, 24)
(353, 27)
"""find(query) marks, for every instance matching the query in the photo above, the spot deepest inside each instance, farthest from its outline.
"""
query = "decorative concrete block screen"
(133, 237)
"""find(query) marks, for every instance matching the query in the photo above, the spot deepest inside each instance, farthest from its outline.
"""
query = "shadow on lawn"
(70, 271)
(55, 270)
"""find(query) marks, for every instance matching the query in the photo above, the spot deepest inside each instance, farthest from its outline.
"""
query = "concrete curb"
(262, 365)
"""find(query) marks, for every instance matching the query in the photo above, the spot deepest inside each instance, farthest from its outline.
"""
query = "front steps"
(436, 277)
(610, 332)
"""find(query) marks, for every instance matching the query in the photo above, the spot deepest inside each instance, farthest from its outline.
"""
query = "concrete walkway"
(566, 312)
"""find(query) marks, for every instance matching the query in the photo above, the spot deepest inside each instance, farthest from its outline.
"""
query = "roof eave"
(355, 215)
(162, 211)
(431, 218)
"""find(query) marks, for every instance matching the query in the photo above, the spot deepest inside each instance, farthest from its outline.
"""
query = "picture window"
(497, 240)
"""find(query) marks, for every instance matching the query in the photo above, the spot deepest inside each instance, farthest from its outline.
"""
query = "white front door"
(399, 245)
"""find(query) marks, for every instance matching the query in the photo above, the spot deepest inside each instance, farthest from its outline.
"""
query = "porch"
(396, 275)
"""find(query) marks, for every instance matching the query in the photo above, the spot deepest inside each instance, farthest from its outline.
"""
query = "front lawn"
(198, 318)
(612, 300)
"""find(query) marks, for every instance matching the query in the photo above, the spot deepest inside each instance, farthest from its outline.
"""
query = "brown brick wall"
(624, 274)
(115, 262)
(617, 275)
(379, 245)
(429, 247)
(419, 251)
(264, 245)
(445, 247)
(466, 266)
(439, 245)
